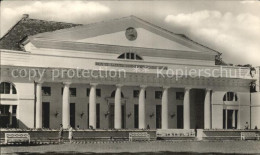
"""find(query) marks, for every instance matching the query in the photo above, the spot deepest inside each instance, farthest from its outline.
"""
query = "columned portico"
(66, 105)
(118, 110)
(165, 108)
(129, 61)
(207, 116)
(186, 109)
(92, 106)
(38, 105)
(142, 121)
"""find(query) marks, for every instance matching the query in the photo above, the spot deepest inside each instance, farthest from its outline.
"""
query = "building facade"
(119, 74)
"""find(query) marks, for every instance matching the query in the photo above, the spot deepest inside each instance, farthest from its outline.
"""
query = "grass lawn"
(154, 147)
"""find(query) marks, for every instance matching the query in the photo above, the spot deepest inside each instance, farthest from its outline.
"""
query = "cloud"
(65, 8)
(68, 11)
(236, 36)
(248, 1)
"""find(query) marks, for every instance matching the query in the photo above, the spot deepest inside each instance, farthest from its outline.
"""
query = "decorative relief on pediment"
(131, 33)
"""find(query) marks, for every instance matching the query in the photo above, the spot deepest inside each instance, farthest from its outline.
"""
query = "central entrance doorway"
(111, 119)
(158, 116)
(46, 114)
(179, 116)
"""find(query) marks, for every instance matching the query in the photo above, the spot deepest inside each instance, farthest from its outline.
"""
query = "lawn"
(154, 147)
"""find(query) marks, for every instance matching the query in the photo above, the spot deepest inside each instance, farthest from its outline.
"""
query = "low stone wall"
(175, 134)
(202, 134)
(50, 135)
(220, 134)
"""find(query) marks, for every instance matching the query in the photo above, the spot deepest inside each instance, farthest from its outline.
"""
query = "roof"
(27, 27)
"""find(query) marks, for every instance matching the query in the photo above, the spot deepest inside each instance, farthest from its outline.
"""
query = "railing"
(139, 136)
(17, 137)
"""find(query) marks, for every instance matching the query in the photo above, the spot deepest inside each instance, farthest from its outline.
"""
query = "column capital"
(143, 86)
(39, 82)
(187, 88)
(208, 89)
(66, 83)
(166, 87)
(119, 85)
(93, 84)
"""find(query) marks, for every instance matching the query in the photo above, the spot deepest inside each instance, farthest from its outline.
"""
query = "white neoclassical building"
(123, 73)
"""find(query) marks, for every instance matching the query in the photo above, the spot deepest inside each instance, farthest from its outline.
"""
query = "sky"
(230, 27)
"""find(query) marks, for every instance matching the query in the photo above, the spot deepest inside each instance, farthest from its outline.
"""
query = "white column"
(11, 116)
(11, 108)
(165, 108)
(92, 106)
(207, 110)
(141, 113)
(118, 113)
(66, 105)
(186, 109)
(38, 105)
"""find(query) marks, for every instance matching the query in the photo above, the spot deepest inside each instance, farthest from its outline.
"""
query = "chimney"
(25, 15)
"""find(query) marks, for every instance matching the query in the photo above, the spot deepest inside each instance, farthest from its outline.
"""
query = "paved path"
(243, 147)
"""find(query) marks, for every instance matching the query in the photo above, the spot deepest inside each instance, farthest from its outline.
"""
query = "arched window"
(114, 93)
(129, 55)
(230, 96)
(7, 88)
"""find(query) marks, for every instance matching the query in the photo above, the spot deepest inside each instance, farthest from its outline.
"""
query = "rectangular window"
(158, 94)
(46, 91)
(98, 92)
(73, 92)
(179, 95)
(136, 93)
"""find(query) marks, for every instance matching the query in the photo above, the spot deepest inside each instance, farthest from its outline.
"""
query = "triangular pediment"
(113, 32)
(144, 38)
